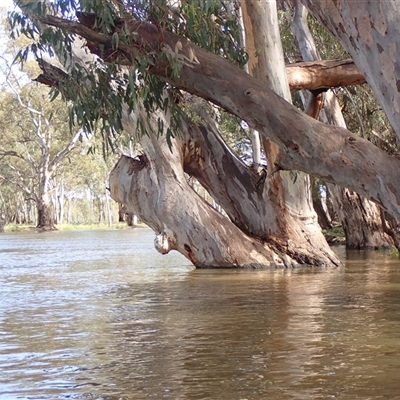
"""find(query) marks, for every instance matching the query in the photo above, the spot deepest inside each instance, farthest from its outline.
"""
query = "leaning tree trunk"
(360, 218)
(155, 187)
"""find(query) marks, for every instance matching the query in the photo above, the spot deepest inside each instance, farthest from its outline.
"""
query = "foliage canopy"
(110, 88)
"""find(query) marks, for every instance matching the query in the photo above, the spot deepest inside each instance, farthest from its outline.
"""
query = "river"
(101, 315)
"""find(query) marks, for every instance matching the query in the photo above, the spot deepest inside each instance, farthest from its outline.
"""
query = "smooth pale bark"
(183, 222)
(254, 135)
(288, 193)
(331, 153)
(369, 31)
(360, 218)
(323, 74)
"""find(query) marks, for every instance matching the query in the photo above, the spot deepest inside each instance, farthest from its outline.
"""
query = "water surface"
(101, 315)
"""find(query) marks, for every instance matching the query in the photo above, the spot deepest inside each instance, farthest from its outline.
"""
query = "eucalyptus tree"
(364, 223)
(129, 64)
(35, 143)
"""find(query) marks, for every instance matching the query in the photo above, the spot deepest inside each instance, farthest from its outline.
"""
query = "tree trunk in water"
(45, 218)
(289, 193)
(159, 193)
(43, 205)
(131, 220)
(361, 221)
(154, 187)
(359, 217)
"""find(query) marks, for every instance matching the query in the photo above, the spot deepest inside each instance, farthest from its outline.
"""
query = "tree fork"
(331, 153)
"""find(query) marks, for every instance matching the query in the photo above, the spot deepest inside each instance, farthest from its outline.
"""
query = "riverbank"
(69, 227)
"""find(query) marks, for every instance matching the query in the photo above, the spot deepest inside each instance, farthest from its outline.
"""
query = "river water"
(101, 315)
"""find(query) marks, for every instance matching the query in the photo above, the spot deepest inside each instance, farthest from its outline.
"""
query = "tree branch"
(323, 74)
(331, 153)
(64, 152)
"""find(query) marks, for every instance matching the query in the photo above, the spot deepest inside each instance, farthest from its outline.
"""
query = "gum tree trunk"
(360, 218)
(154, 186)
(288, 193)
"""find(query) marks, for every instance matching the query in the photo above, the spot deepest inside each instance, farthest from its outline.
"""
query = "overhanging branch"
(328, 152)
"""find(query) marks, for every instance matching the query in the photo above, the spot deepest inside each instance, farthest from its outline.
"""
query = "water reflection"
(102, 315)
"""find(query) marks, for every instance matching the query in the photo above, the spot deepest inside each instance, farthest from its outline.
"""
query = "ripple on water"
(102, 315)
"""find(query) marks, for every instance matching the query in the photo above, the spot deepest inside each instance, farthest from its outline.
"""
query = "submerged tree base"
(154, 187)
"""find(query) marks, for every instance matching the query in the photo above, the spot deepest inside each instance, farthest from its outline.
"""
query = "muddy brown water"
(101, 315)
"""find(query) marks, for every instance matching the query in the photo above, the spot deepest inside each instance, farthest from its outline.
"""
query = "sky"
(9, 4)
(5, 6)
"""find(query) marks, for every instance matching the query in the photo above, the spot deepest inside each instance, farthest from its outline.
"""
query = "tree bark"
(45, 217)
(186, 223)
(319, 74)
(362, 222)
(359, 217)
(369, 33)
(334, 154)
(288, 193)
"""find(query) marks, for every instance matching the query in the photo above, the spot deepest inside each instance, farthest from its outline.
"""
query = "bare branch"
(323, 74)
(64, 152)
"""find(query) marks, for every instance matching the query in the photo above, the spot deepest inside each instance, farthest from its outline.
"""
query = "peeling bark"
(184, 222)
(331, 153)
(369, 32)
(359, 217)
(320, 74)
